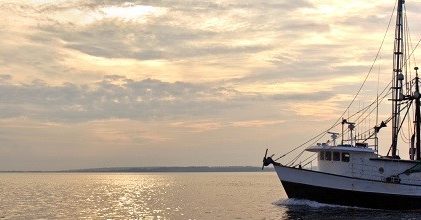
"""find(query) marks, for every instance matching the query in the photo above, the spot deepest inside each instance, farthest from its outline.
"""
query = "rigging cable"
(315, 153)
(356, 95)
(324, 133)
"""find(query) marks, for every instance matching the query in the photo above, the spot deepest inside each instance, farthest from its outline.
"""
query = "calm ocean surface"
(163, 196)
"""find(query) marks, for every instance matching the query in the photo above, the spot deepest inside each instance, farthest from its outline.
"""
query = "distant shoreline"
(187, 169)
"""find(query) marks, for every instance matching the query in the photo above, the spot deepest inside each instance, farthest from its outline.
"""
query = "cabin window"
(336, 156)
(345, 157)
(328, 155)
(321, 155)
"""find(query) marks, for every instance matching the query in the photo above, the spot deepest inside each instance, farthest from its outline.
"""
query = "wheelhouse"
(338, 159)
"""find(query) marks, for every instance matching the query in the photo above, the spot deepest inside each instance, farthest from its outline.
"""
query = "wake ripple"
(311, 204)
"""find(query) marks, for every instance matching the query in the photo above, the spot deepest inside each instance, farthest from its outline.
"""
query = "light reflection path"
(139, 195)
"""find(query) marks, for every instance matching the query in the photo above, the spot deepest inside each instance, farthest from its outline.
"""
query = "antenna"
(417, 115)
(334, 136)
(351, 127)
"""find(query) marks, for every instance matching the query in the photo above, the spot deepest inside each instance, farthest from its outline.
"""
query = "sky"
(180, 82)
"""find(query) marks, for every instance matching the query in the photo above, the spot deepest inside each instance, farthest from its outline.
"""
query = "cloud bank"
(100, 83)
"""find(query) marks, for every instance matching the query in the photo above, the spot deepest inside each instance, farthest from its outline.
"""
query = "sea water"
(164, 196)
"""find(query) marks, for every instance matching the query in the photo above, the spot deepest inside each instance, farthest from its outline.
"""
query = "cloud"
(119, 97)
(192, 40)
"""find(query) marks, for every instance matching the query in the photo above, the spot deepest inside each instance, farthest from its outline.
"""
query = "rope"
(354, 98)
(324, 133)
(367, 108)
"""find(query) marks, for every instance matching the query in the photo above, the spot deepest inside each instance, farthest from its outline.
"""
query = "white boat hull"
(350, 191)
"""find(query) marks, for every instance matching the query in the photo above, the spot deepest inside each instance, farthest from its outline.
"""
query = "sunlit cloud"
(131, 12)
(257, 123)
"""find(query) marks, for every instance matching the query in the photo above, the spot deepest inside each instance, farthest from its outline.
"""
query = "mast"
(417, 114)
(397, 94)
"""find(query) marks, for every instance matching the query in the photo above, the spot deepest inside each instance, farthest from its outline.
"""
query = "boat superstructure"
(352, 172)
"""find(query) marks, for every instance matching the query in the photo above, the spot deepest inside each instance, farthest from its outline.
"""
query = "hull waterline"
(351, 198)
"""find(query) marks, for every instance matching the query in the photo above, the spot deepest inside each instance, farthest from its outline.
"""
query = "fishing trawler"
(352, 172)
